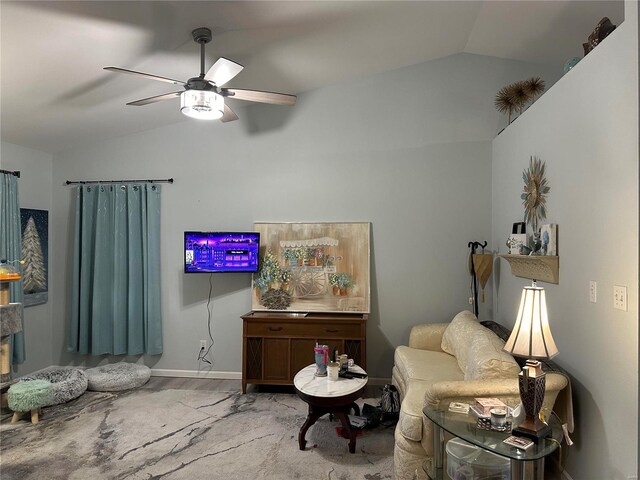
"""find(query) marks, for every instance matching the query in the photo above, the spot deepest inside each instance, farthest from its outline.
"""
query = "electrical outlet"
(620, 297)
(203, 345)
(593, 292)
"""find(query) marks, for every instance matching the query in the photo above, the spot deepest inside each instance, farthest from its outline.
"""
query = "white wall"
(408, 150)
(586, 130)
(34, 190)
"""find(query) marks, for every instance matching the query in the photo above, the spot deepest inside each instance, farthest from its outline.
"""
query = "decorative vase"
(570, 64)
(336, 291)
(343, 291)
(602, 31)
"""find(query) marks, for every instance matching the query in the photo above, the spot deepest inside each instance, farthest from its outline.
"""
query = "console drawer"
(301, 330)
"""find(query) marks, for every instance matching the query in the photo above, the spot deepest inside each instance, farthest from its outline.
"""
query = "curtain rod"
(16, 173)
(83, 182)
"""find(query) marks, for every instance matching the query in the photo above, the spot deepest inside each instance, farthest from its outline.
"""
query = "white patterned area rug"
(187, 434)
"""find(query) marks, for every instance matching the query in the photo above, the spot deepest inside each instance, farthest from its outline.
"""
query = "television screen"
(206, 252)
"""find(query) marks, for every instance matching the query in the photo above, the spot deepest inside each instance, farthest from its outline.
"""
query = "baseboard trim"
(563, 474)
(159, 372)
(378, 381)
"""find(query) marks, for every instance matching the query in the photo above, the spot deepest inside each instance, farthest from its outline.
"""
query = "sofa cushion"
(418, 372)
(478, 351)
(419, 365)
(459, 335)
(487, 360)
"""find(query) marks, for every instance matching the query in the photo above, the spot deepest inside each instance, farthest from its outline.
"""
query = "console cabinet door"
(301, 354)
(276, 359)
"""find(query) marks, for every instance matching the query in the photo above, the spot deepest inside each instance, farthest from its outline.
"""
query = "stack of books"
(483, 406)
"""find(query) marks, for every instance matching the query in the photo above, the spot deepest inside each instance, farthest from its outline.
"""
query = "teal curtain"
(11, 249)
(116, 271)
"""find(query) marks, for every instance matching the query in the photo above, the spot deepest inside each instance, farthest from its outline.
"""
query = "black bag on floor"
(390, 401)
(372, 414)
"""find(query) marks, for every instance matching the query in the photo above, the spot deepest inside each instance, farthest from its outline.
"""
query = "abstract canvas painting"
(311, 267)
(35, 253)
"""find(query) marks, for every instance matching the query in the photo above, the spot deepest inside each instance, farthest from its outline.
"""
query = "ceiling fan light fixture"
(203, 99)
(202, 104)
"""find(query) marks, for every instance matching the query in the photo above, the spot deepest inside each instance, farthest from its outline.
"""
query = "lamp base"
(532, 382)
(535, 432)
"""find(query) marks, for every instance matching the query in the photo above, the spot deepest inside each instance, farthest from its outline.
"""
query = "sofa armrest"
(441, 393)
(427, 336)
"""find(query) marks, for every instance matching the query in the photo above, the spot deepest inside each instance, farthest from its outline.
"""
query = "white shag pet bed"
(67, 382)
(117, 376)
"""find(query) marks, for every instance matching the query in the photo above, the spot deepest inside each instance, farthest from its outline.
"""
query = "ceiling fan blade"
(157, 98)
(259, 96)
(222, 71)
(229, 115)
(146, 75)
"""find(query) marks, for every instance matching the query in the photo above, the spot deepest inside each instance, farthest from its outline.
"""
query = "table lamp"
(531, 338)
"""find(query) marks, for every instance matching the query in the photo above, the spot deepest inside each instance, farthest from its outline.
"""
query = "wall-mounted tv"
(211, 252)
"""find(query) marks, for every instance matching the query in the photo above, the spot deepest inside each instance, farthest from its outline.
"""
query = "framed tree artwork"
(35, 253)
(313, 267)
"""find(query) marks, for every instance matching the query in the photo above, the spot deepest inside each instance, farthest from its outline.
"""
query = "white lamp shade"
(202, 104)
(531, 335)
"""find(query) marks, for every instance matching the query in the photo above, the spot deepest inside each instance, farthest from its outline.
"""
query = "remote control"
(352, 375)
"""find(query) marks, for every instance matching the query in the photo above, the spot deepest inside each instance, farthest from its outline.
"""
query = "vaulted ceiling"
(54, 94)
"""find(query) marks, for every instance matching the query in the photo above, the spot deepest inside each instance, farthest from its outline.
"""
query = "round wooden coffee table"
(334, 397)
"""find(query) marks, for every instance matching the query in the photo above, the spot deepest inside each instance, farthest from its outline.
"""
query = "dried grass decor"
(534, 87)
(504, 101)
(520, 95)
(515, 97)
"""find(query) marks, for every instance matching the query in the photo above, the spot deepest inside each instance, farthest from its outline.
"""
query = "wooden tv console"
(277, 345)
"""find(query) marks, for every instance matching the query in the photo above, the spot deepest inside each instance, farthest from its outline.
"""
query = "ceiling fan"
(203, 96)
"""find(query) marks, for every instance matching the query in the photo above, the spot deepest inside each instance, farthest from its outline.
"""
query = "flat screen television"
(212, 252)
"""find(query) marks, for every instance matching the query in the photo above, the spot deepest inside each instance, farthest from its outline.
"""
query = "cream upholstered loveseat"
(447, 362)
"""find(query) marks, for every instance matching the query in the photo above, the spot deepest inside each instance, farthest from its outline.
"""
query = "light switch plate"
(620, 297)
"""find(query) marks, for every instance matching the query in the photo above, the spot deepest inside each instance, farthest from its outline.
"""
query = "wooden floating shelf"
(535, 267)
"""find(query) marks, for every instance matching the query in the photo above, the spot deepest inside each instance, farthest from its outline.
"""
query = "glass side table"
(464, 426)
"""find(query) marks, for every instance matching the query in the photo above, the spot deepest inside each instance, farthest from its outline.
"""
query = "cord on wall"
(202, 354)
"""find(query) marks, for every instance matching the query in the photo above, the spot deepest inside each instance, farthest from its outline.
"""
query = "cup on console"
(321, 353)
(343, 360)
(333, 369)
